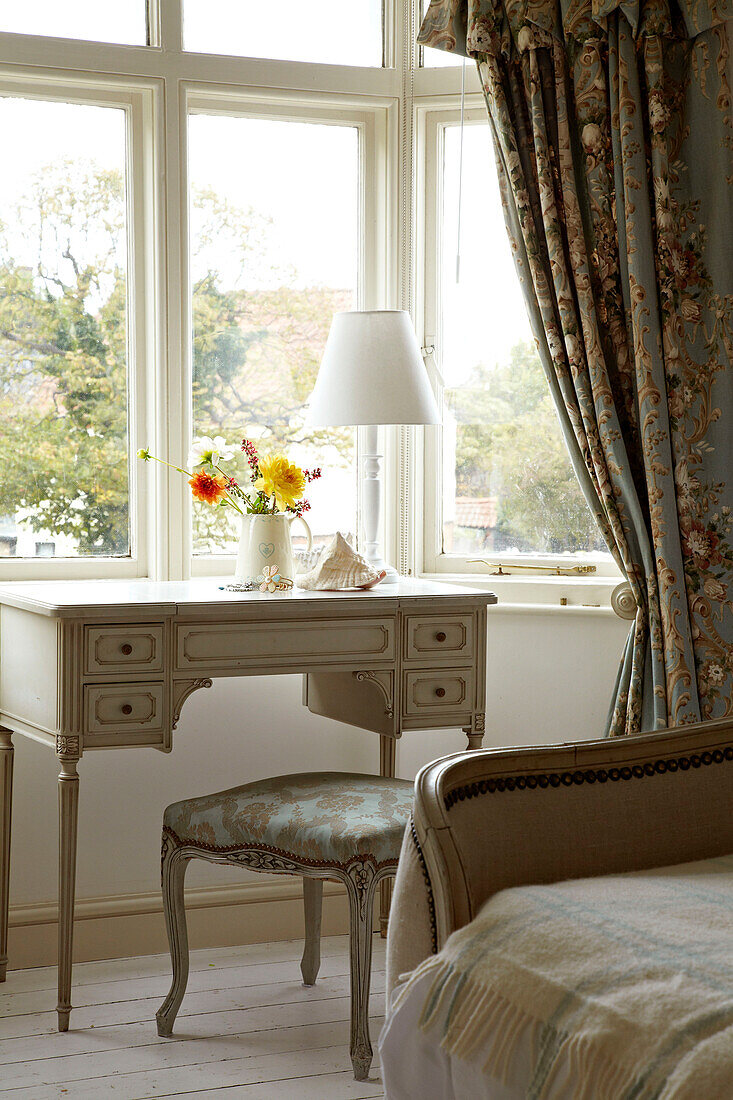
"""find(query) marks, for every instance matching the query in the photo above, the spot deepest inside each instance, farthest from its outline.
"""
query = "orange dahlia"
(206, 487)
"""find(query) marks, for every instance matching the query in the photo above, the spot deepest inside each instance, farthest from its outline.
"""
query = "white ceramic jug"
(265, 540)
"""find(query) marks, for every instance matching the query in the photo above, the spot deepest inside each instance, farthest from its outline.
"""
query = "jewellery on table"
(272, 581)
(269, 580)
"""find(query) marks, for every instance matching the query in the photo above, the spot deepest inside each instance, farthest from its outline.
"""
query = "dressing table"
(114, 661)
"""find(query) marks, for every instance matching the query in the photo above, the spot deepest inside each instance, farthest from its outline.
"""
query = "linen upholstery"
(318, 818)
(613, 135)
(410, 937)
(626, 981)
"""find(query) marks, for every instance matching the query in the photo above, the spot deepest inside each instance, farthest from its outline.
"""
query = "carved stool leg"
(361, 903)
(6, 808)
(310, 964)
(68, 818)
(173, 874)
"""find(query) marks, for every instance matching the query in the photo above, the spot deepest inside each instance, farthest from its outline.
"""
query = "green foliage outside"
(63, 375)
(63, 360)
(509, 446)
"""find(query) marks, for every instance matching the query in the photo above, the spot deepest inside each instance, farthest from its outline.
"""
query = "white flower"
(209, 451)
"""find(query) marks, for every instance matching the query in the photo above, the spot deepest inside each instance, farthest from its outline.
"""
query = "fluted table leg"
(6, 811)
(68, 817)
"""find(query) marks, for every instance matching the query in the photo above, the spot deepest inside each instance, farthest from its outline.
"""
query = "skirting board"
(133, 924)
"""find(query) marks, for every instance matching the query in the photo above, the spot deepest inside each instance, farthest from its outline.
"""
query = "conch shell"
(339, 566)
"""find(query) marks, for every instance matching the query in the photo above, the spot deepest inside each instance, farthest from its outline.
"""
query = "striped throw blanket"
(625, 983)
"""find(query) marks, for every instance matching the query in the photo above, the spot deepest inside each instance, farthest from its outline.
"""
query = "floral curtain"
(614, 140)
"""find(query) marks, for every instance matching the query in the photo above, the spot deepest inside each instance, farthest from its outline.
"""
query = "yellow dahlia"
(281, 479)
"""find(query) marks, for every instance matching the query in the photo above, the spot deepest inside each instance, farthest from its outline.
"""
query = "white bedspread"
(613, 988)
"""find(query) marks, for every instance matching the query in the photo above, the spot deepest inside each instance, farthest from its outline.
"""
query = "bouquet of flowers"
(277, 485)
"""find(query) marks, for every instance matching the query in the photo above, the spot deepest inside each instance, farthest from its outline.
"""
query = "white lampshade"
(372, 372)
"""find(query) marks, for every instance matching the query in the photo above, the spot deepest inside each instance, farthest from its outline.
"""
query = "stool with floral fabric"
(319, 825)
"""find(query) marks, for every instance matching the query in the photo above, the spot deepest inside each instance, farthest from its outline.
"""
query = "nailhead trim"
(429, 888)
(578, 778)
(283, 853)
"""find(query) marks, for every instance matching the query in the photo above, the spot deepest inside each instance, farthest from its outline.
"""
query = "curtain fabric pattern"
(614, 140)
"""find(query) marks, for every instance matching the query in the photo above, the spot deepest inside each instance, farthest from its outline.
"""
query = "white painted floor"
(247, 1028)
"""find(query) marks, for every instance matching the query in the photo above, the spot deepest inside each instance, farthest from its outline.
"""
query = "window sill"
(541, 594)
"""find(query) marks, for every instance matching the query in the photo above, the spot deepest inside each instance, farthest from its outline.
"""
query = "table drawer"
(234, 645)
(435, 690)
(439, 636)
(123, 708)
(110, 649)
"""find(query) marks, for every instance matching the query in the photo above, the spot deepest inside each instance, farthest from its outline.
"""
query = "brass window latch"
(549, 570)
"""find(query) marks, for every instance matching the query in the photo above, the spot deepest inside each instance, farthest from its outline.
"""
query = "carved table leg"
(387, 763)
(68, 816)
(475, 733)
(6, 808)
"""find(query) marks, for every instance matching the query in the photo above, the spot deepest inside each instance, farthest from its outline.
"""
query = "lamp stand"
(372, 501)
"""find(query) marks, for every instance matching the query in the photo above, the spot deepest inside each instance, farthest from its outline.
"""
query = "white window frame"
(138, 101)
(432, 120)
(158, 84)
(372, 126)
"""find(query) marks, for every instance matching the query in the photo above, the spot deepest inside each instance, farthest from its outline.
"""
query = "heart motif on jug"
(267, 549)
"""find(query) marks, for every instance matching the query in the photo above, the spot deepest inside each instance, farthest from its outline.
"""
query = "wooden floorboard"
(247, 1027)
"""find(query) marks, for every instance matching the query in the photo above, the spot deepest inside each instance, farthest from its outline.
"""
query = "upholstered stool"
(321, 825)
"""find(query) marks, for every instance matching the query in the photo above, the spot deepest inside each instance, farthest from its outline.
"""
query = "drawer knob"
(126, 649)
(126, 708)
(440, 692)
(440, 636)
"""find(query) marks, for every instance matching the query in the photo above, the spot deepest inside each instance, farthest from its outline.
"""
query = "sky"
(484, 313)
(302, 176)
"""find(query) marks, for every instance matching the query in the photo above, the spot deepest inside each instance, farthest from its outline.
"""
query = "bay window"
(190, 191)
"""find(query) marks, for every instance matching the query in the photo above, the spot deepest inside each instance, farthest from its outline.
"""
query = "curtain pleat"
(602, 114)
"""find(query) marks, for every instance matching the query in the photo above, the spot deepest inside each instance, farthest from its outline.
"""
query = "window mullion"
(167, 15)
(174, 422)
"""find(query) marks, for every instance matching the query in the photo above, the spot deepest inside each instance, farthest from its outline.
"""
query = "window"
(65, 489)
(99, 20)
(507, 484)
(333, 32)
(272, 259)
(178, 224)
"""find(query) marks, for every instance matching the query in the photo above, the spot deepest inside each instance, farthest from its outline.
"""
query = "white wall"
(550, 675)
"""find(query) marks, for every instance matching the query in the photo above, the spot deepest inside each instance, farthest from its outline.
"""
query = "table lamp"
(372, 373)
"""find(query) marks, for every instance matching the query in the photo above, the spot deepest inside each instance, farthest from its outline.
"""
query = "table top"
(71, 599)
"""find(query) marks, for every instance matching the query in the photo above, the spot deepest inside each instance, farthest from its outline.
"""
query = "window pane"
(508, 484)
(97, 20)
(63, 321)
(332, 32)
(274, 251)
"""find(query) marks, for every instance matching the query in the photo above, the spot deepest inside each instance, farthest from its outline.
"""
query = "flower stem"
(164, 463)
(233, 503)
